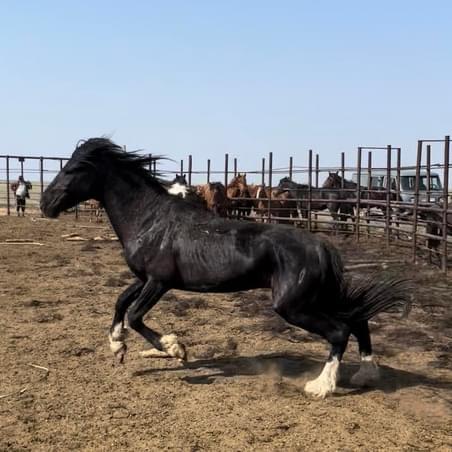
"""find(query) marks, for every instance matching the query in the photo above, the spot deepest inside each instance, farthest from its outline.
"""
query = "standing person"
(21, 190)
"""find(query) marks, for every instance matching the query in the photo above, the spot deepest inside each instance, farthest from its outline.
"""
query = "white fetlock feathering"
(119, 333)
(172, 347)
(368, 372)
(116, 337)
(325, 383)
(154, 353)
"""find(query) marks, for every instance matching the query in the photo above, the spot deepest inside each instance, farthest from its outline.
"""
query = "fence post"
(317, 169)
(428, 164)
(388, 193)
(416, 198)
(22, 160)
(8, 200)
(226, 170)
(342, 169)
(369, 190)
(263, 171)
(270, 174)
(208, 170)
(445, 201)
(358, 191)
(41, 176)
(290, 168)
(41, 173)
(190, 167)
(309, 188)
(182, 167)
(235, 166)
(317, 162)
(429, 148)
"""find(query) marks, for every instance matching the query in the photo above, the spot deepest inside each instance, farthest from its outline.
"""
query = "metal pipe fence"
(404, 205)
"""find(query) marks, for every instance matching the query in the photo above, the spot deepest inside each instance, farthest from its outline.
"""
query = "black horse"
(349, 190)
(179, 187)
(321, 199)
(169, 243)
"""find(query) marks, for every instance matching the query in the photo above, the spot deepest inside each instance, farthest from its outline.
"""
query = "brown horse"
(280, 205)
(240, 202)
(214, 195)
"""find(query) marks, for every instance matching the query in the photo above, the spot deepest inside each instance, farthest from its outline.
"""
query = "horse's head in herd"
(333, 180)
(286, 184)
(180, 179)
(85, 174)
(179, 186)
(238, 183)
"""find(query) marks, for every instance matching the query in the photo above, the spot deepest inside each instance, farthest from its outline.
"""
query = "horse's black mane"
(89, 151)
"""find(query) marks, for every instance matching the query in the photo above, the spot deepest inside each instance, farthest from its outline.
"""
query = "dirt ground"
(242, 387)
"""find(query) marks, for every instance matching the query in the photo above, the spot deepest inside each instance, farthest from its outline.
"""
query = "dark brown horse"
(314, 199)
(348, 189)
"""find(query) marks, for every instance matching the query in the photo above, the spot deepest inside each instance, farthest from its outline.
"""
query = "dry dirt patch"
(242, 387)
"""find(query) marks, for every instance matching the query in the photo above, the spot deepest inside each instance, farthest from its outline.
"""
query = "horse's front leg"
(118, 333)
(166, 345)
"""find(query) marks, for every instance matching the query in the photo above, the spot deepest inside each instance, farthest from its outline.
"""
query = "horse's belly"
(229, 278)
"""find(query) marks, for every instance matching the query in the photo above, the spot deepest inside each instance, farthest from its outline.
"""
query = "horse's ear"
(337, 173)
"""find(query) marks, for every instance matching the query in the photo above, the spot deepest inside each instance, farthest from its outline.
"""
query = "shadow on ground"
(290, 366)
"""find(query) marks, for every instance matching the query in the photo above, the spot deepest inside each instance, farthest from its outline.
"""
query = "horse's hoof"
(172, 347)
(121, 354)
(318, 388)
(367, 375)
(117, 344)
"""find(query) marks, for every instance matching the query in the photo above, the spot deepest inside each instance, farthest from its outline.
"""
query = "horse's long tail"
(363, 299)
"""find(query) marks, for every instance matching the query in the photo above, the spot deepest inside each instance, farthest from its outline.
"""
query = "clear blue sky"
(209, 77)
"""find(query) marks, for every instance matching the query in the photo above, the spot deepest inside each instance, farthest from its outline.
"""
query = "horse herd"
(289, 201)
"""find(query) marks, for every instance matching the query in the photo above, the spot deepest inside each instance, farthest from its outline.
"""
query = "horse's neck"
(127, 203)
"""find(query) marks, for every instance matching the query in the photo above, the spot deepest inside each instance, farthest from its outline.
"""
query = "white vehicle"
(407, 184)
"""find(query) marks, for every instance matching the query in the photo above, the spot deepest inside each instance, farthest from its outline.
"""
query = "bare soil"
(242, 387)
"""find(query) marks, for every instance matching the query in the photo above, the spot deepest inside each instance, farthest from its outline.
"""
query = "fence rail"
(423, 221)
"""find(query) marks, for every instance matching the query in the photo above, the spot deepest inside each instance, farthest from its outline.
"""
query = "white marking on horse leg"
(172, 347)
(154, 353)
(117, 337)
(368, 372)
(325, 383)
(118, 332)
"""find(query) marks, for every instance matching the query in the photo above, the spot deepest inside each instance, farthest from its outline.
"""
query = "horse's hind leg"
(118, 333)
(368, 372)
(166, 345)
(334, 331)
